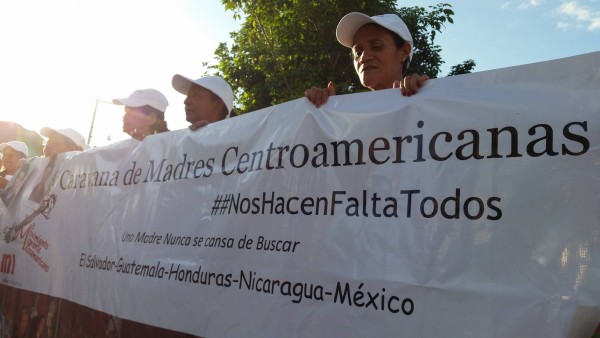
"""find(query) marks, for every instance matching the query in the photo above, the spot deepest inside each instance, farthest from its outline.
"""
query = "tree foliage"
(463, 68)
(424, 25)
(286, 46)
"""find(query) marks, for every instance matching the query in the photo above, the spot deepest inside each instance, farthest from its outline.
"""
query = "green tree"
(424, 25)
(286, 46)
(463, 68)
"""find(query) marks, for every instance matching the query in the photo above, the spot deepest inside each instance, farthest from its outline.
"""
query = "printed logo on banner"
(11, 233)
(33, 243)
(8, 264)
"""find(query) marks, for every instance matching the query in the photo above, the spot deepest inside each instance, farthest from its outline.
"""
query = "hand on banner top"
(198, 124)
(137, 134)
(319, 96)
(411, 84)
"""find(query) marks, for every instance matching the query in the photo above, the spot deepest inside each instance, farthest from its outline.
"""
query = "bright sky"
(504, 33)
(59, 56)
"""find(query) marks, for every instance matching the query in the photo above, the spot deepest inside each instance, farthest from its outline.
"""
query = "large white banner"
(471, 209)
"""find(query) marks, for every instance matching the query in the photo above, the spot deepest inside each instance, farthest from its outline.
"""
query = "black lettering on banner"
(367, 204)
(462, 146)
(297, 291)
(371, 300)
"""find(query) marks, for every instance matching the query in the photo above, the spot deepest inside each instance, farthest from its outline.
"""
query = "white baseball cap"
(351, 23)
(16, 145)
(69, 133)
(144, 97)
(215, 84)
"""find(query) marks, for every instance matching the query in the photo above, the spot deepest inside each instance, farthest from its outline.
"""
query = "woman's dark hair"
(160, 126)
(399, 42)
(225, 110)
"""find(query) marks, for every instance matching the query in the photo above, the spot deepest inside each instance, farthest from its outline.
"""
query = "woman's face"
(10, 159)
(377, 60)
(23, 321)
(40, 328)
(202, 105)
(136, 120)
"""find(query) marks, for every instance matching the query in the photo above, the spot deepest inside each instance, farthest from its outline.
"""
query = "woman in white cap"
(208, 99)
(12, 154)
(381, 51)
(144, 113)
(62, 141)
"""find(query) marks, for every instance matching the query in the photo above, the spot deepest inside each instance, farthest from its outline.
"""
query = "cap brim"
(181, 83)
(24, 150)
(47, 132)
(129, 102)
(77, 139)
(349, 25)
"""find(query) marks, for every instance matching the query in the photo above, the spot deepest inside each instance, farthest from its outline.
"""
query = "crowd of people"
(381, 47)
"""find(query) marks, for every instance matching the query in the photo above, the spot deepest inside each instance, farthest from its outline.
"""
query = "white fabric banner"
(471, 209)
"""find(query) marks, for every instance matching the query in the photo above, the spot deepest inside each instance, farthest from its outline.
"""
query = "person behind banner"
(13, 154)
(40, 189)
(382, 48)
(144, 113)
(21, 323)
(36, 327)
(62, 141)
(208, 99)
(15, 184)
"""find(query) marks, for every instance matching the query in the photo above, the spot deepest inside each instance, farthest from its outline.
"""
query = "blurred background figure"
(144, 113)
(36, 327)
(12, 154)
(21, 324)
(11, 131)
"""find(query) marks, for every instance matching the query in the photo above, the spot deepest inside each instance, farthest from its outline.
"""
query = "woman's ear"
(406, 51)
